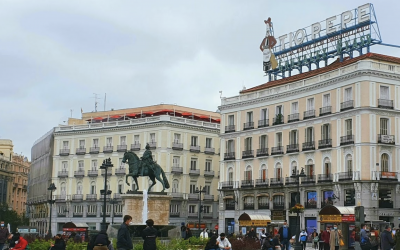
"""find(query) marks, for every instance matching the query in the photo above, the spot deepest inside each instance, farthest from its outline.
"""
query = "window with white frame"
(309, 135)
(230, 146)
(177, 138)
(192, 209)
(81, 144)
(81, 165)
(152, 137)
(384, 124)
(65, 145)
(94, 164)
(231, 120)
(109, 141)
(208, 165)
(120, 187)
(293, 137)
(279, 110)
(385, 163)
(348, 94)
(248, 174)
(295, 107)
(326, 131)
(62, 209)
(327, 167)
(206, 209)
(122, 140)
(194, 141)
(264, 174)
(95, 143)
(349, 163)
(78, 209)
(310, 104)
(278, 139)
(175, 186)
(263, 142)
(264, 114)
(174, 208)
(349, 127)
(79, 188)
(208, 142)
(293, 166)
(384, 92)
(326, 100)
(64, 166)
(248, 144)
(249, 117)
(176, 161)
(310, 171)
(92, 187)
(192, 188)
(193, 163)
(230, 175)
(136, 139)
(92, 209)
(63, 189)
(278, 171)
(207, 188)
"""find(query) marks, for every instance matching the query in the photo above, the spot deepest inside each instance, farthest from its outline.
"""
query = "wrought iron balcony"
(230, 128)
(77, 214)
(325, 178)
(325, 110)
(174, 214)
(193, 196)
(176, 195)
(122, 148)
(77, 197)
(247, 184)
(309, 114)
(385, 204)
(177, 146)
(94, 150)
(64, 152)
(91, 214)
(135, 147)
(262, 152)
(307, 146)
(263, 205)
(290, 181)
(108, 149)
(351, 202)
(388, 176)
(109, 172)
(385, 104)
(227, 184)
(152, 144)
(248, 125)
(91, 197)
(117, 197)
(79, 173)
(277, 150)
(62, 174)
(209, 151)
(93, 173)
(279, 205)
(208, 197)
(195, 149)
(262, 182)
(229, 156)
(120, 171)
(276, 181)
(278, 120)
(249, 205)
(326, 203)
(248, 154)
(292, 148)
(309, 179)
(263, 123)
(229, 206)
(193, 215)
(311, 204)
(346, 176)
(60, 197)
(209, 173)
(294, 117)
(346, 140)
(325, 143)
(346, 105)
(386, 139)
(194, 172)
(176, 170)
(80, 151)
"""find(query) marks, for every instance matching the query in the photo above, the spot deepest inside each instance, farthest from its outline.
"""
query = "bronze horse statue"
(153, 173)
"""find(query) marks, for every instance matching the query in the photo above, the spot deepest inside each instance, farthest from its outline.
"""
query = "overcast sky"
(55, 54)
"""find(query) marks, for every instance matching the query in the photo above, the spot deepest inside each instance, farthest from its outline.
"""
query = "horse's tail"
(166, 183)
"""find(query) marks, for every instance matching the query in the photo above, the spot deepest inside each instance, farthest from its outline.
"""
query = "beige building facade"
(340, 123)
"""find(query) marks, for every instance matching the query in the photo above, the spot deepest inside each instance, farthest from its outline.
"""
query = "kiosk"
(79, 228)
(256, 221)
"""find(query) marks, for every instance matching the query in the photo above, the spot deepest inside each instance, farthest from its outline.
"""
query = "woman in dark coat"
(212, 244)
(59, 243)
(188, 233)
(149, 236)
(101, 242)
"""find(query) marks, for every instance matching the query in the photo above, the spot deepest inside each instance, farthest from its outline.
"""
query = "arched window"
(309, 171)
(263, 173)
(248, 174)
(92, 187)
(327, 167)
(349, 164)
(278, 171)
(79, 188)
(385, 163)
(120, 187)
(249, 202)
(230, 175)
(293, 166)
(63, 188)
(278, 201)
(175, 186)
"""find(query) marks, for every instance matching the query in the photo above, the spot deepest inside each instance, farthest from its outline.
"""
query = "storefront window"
(311, 225)
(311, 199)
(327, 198)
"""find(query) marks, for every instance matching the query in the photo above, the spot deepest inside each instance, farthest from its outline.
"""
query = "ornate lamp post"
(297, 176)
(202, 190)
(113, 202)
(51, 188)
(106, 164)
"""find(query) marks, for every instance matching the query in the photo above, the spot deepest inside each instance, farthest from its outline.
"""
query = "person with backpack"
(303, 238)
(315, 239)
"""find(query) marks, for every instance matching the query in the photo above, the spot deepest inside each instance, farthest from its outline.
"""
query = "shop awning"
(259, 195)
(331, 213)
(254, 220)
(75, 225)
(228, 197)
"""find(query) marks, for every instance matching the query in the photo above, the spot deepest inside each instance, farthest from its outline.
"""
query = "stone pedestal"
(157, 206)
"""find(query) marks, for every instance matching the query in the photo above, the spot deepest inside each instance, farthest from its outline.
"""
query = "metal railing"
(122, 148)
(91, 197)
(209, 173)
(229, 156)
(263, 205)
(177, 170)
(94, 150)
(262, 152)
(195, 149)
(278, 120)
(248, 125)
(325, 177)
(80, 151)
(276, 181)
(290, 181)
(277, 150)
(135, 147)
(79, 173)
(345, 176)
(62, 174)
(193, 196)
(248, 205)
(325, 110)
(278, 205)
(230, 128)
(291, 148)
(174, 214)
(309, 114)
(386, 139)
(247, 154)
(325, 143)
(308, 146)
(120, 171)
(64, 152)
(294, 117)
(263, 123)
(77, 197)
(229, 206)
(194, 172)
(208, 197)
(262, 182)
(346, 105)
(227, 184)
(347, 139)
(152, 144)
(92, 173)
(386, 104)
(177, 146)
(247, 184)
(209, 150)
(108, 149)
(309, 179)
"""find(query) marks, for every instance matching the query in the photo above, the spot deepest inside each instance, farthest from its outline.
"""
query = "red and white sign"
(348, 218)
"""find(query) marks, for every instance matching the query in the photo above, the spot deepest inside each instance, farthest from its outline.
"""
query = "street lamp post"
(113, 202)
(297, 177)
(202, 190)
(52, 187)
(106, 164)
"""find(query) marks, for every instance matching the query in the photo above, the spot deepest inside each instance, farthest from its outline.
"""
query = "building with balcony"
(184, 142)
(349, 149)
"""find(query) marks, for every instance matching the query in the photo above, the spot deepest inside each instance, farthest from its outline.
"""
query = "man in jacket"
(285, 236)
(101, 242)
(325, 236)
(149, 236)
(20, 243)
(223, 242)
(124, 241)
(386, 238)
(334, 239)
(3, 234)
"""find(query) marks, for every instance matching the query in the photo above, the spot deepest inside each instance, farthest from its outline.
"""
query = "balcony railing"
(176, 195)
(77, 197)
(262, 152)
(311, 204)
(94, 150)
(276, 181)
(93, 173)
(247, 184)
(248, 205)
(325, 110)
(64, 152)
(277, 150)
(345, 176)
(209, 173)
(177, 146)
(307, 146)
(279, 205)
(292, 148)
(229, 156)
(117, 197)
(60, 197)
(77, 214)
(79, 173)
(229, 206)
(91, 214)
(209, 151)
(325, 143)
(385, 204)
(80, 151)
(152, 144)
(309, 114)
(248, 125)
(230, 128)
(91, 197)
(294, 117)
(174, 214)
(325, 178)
(278, 120)
(62, 174)
(135, 147)
(385, 104)
(388, 176)
(247, 154)
(386, 139)
(122, 148)
(208, 197)
(194, 172)
(346, 105)
(195, 149)
(263, 205)
(351, 202)
(193, 196)
(263, 123)
(309, 179)
(227, 184)
(193, 215)
(177, 170)
(108, 149)
(120, 171)
(346, 140)
(109, 172)
(290, 181)
(262, 182)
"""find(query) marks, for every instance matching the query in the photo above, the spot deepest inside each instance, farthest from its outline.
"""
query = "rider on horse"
(147, 160)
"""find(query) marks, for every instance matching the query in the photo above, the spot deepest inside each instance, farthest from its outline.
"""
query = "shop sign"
(387, 138)
(386, 213)
(348, 218)
(278, 215)
(389, 175)
(330, 218)
(249, 223)
(310, 215)
(75, 229)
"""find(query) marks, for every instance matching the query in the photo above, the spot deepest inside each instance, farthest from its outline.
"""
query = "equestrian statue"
(144, 167)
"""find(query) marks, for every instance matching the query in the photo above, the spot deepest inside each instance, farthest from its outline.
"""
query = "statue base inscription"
(157, 206)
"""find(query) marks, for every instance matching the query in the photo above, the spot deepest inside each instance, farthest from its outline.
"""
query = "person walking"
(183, 230)
(223, 242)
(101, 241)
(334, 239)
(303, 238)
(326, 238)
(315, 239)
(386, 238)
(188, 233)
(204, 234)
(20, 242)
(3, 234)
(397, 240)
(267, 244)
(212, 243)
(149, 236)
(286, 235)
(124, 241)
(59, 243)
(321, 241)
